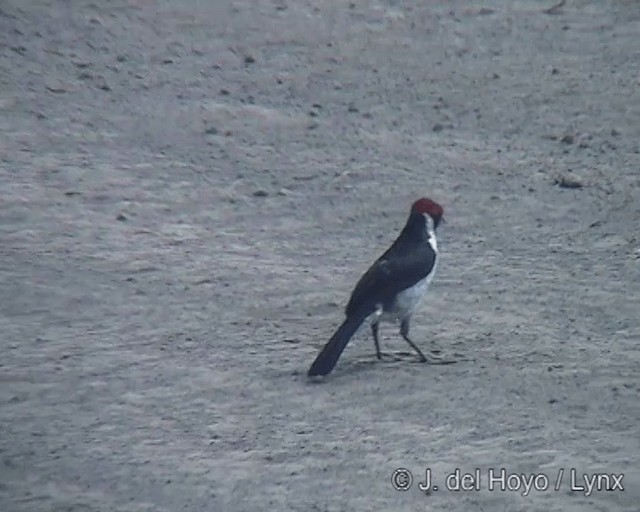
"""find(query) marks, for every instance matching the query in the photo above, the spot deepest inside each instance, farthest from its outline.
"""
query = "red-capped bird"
(392, 288)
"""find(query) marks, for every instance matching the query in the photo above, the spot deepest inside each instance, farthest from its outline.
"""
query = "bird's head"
(426, 206)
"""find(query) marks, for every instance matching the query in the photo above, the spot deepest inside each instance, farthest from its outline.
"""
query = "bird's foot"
(389, 357)
(433, 358)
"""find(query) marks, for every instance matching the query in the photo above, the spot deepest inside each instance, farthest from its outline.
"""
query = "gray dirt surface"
(190, 189)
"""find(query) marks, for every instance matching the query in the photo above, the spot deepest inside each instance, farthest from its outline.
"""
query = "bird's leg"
(433, 359)
(376, 341)
(404, 331)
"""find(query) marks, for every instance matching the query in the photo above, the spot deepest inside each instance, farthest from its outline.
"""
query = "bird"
(392, 288)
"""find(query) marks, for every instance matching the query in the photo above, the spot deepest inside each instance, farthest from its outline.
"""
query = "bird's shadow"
(389, 359)
(435, 358)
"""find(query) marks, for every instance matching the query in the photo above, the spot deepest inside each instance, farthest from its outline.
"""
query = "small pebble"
(568, 182)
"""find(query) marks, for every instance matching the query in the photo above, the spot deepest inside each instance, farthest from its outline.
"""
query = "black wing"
(394, 271)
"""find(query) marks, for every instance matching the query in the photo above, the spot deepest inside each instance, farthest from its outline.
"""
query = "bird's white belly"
(408, 300)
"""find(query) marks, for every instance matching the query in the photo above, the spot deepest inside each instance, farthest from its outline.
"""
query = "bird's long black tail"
(329, 355)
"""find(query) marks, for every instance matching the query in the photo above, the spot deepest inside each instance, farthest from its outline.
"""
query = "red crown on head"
(426, 205)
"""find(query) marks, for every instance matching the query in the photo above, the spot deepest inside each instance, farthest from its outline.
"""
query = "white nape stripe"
(429, 226)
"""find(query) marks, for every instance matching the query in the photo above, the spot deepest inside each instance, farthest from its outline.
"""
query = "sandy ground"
(189, 190)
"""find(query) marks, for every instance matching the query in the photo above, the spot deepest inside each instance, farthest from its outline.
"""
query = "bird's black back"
(409, 260)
